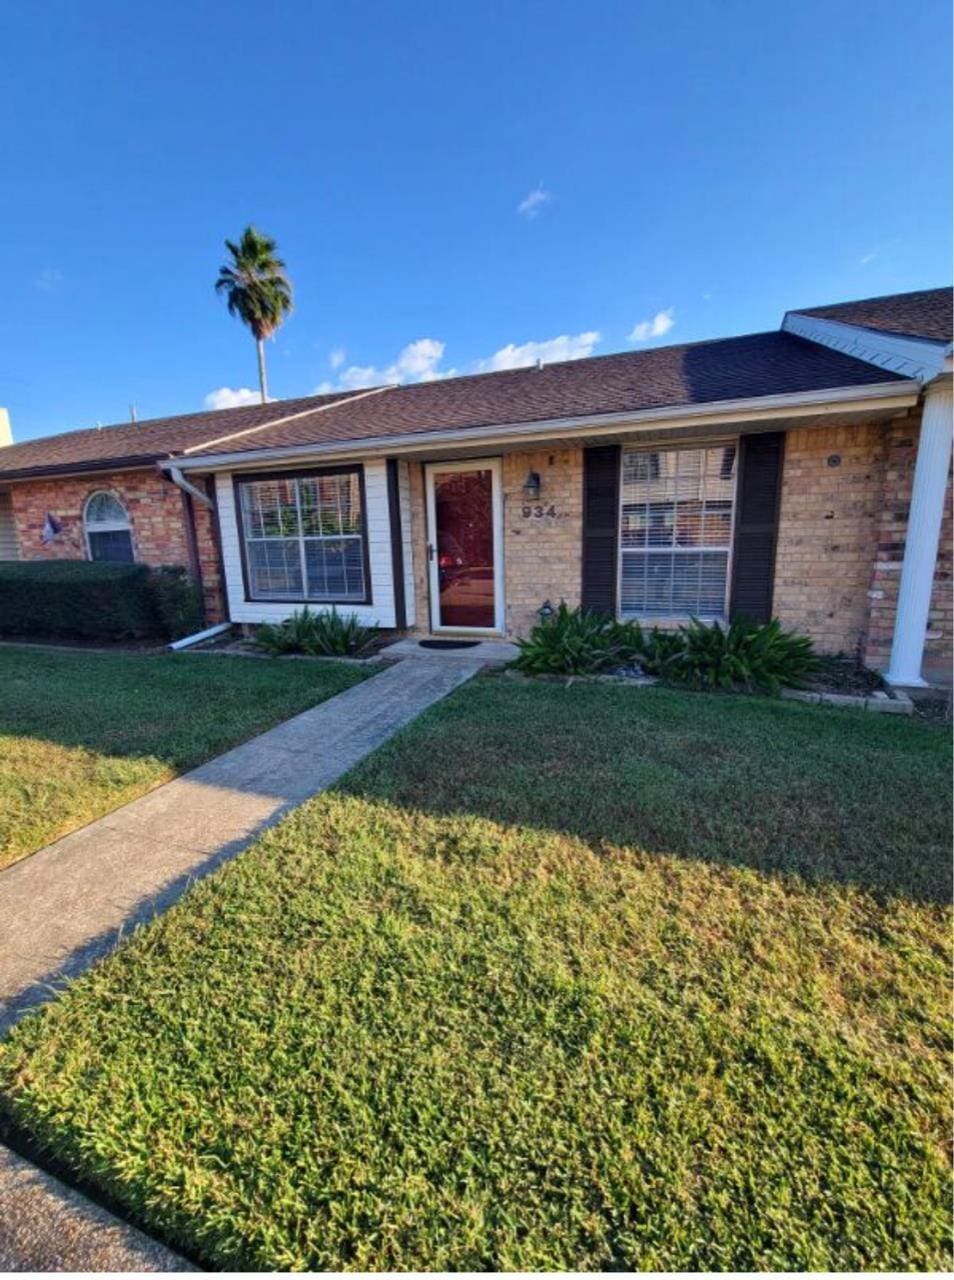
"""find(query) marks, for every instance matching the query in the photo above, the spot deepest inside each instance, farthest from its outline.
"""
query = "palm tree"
(256, 289)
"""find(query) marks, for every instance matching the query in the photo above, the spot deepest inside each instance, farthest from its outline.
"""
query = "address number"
(538, 511)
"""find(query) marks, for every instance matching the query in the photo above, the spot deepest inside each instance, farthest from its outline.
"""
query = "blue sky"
(448, 183)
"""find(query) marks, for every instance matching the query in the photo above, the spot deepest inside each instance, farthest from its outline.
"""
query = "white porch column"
(924, 528)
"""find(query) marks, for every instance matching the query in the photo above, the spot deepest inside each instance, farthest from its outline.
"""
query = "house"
(801, 473)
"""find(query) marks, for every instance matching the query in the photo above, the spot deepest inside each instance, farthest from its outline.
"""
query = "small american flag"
(51, 528)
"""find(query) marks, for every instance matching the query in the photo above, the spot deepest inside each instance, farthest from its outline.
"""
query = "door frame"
(496, 491)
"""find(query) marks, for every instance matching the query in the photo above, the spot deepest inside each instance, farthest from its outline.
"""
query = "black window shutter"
(756, 525)
(601, 468)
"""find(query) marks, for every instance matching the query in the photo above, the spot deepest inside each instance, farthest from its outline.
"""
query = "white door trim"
(476, 464)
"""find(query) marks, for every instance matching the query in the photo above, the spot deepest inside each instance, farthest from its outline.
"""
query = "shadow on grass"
(827, 795)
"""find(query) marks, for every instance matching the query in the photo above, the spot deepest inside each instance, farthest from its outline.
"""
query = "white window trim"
(106, 526)
(671, 621)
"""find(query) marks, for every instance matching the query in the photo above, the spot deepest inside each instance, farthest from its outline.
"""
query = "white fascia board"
(886, 395)
(918, 358)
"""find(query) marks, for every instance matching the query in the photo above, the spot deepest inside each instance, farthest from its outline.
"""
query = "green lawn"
(81, 734)
(563, 978)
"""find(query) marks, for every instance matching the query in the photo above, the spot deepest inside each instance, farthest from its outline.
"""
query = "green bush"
(178, 601)
(77, 599)
(576, 642)
(746, 655)
(324, 634)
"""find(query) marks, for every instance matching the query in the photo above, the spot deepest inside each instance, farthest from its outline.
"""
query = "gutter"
(900, 394)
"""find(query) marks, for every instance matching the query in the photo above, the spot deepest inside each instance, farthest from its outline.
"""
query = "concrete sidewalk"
(46, 1226)
(68, 904)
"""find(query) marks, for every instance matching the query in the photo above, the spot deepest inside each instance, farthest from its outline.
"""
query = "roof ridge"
(876, 297)
(278, 422)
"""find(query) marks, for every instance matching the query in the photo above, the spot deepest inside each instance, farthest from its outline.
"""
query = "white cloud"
(337, 357)
(657, 327)
(49, 280)
(869, 257)
(232, 398)
(417, 362)
(566, 347)
(420, 361)
(534, 201)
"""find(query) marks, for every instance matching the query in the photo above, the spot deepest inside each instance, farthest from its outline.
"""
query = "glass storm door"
(464, 560)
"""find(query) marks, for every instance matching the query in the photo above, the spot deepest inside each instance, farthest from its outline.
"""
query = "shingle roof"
(927, 313)
(129, 443)
(761, 364)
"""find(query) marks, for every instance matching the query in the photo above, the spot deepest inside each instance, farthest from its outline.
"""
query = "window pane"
(676, 530)
(330, 505)
(303, 537)
(116, 545)
(274, 569)
(105, 508)
(269, 509)
(335, 568)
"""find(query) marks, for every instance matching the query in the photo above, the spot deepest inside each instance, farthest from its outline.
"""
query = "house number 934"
(537, 511)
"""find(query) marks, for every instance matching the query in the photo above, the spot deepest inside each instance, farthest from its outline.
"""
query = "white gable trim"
(912, 357)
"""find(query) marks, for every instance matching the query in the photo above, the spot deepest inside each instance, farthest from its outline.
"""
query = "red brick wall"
(155, 512)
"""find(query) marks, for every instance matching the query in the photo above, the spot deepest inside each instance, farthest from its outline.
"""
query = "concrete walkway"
(46, 1226)
(68, 904)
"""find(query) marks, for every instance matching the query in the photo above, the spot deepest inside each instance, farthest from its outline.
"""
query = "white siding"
(379, 613)
(8, 533)
(404, 491)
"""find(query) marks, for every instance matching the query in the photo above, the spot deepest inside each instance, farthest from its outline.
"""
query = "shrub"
(746, 655)
(76, 599)
(178, 601)
(660, 650)
(326, 634)
(574, 642)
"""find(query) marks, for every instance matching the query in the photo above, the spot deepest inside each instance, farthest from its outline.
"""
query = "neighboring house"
(801, 473)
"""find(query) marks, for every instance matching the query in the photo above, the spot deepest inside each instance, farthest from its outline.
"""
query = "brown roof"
(131, 443)
(761, 364)
(928, 313)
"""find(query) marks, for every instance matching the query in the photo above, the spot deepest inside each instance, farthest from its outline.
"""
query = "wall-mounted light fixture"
(545, 611)
(531, 486)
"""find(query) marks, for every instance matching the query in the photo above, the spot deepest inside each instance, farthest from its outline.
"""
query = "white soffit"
(918, 358)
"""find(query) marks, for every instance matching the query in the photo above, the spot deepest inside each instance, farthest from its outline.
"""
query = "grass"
(562, 978)
(81, 734)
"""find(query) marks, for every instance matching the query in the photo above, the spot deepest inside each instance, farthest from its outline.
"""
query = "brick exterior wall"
(827, 533)
(543, 540)
(156, 517)
(841, 540)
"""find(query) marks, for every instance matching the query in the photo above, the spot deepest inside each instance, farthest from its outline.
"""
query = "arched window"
(108, 533)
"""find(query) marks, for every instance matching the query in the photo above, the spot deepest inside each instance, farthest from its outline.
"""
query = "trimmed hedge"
(90, 600)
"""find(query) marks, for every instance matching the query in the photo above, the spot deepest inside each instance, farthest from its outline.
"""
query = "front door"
(465, 527)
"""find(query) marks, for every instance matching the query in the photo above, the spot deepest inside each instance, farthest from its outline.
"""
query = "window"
(303, 537)
(676, 531)
(108, 532)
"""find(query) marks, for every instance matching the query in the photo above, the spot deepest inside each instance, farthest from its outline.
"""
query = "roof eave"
(910, 356)
(897, 394)
(137, 462)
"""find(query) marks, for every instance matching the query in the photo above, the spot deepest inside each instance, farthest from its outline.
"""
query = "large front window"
(304, 537)
(676, 531)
